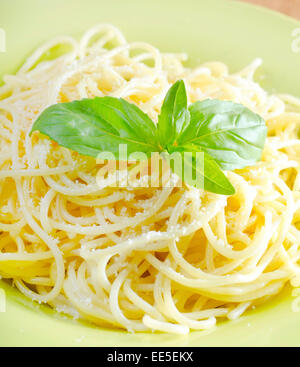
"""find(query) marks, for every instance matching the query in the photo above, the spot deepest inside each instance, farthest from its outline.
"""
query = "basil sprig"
(229, 135)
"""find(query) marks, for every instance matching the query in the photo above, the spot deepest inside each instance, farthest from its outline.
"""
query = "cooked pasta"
(170, 259)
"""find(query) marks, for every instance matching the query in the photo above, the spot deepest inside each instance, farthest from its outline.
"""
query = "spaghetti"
(168, 259)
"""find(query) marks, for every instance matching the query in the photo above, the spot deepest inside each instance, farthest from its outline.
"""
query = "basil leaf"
(174, 114)
(232, 134)
(91, 126)
(206, 173)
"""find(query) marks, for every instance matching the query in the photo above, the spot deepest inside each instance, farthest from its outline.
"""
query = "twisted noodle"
(169, 259)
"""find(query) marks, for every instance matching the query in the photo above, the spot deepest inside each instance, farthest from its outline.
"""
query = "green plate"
(223, 30)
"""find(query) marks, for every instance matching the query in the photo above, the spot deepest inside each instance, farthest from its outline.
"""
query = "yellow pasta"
(171, 259)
